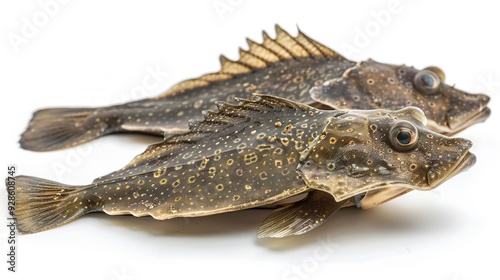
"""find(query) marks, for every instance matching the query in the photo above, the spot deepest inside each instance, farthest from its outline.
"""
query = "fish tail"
(52, 129)
(42, 204)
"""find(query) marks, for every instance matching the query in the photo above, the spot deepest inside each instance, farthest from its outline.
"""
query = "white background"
(95, 53)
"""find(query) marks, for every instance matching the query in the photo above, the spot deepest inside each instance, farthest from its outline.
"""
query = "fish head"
(365, 150)
(373, 85)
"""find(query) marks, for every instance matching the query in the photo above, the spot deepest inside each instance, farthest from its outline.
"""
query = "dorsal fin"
(228, 119)
(258, 56)
(251, 59)
(290, 43)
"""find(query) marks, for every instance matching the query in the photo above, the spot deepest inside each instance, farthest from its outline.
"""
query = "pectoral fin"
(300, 217)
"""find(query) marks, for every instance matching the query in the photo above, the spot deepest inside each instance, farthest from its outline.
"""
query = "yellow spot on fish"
(203, 163)
(241, 146)
(285, 141)
(192, 179)
(277, 124)
(250, 158)
(330, 166)
(211, 172)
(177, 199)
(288, 128)
(278, 151)
(230, 162)
(163, 181)
(263, 175)
(219, 187)
(159, 172)
(176, 183)
(248, 187)
(333, 140)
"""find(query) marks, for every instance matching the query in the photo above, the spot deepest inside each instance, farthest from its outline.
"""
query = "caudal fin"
(42, 204)
(52, 129)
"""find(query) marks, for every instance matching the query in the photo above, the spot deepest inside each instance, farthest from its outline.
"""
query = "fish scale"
(256, 153)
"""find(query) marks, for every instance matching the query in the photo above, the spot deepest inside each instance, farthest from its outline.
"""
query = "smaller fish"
(257, 153)
(287, 67)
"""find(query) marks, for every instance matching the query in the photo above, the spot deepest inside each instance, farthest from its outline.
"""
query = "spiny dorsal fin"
(261, 51)
(258, 56)
(290, 43)
(326, 51)
(227, 120)
(251, 59)
(233, 67)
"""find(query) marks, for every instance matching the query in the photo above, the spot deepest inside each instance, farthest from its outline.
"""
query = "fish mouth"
(479, 117)
(461, 165)
(453, 124)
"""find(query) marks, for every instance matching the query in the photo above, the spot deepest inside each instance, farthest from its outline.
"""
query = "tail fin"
(52, 129)
(42, 204)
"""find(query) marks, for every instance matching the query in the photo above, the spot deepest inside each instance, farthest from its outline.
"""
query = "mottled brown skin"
(373, 85)
(287, 67)
(254, 154)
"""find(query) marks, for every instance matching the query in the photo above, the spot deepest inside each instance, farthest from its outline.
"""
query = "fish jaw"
(461, 165)
(457, 122)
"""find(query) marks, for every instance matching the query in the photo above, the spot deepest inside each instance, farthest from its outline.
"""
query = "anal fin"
(300, 217)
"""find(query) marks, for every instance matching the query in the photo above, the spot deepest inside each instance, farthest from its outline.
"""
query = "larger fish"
(254, 154)
(287, 67)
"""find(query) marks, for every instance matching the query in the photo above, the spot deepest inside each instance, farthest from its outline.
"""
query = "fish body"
(255, 153)
(296, 68)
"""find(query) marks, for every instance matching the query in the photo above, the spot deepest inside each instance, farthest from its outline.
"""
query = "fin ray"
(52, 129)
(300, 217)
(43, 204)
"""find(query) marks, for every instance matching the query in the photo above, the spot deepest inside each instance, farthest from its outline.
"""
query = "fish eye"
(403, 136)
(438, 72)
(426, 81)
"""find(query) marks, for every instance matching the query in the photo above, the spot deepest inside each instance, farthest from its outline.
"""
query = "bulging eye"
(427, 82)
(438, 72)
(403, 136)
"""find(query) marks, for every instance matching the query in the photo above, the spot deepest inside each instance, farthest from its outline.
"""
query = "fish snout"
(483, 101)
(451, 164)
(471, 111)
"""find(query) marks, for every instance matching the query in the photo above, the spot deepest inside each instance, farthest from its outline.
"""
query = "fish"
(255, 153)
(296, 68)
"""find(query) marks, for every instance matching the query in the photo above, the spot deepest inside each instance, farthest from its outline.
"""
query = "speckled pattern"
(256, 153)
(290, 67)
